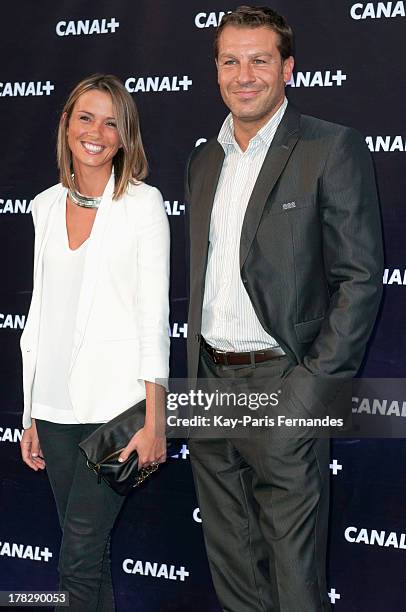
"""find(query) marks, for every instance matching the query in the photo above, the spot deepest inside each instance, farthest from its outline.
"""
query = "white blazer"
(122, 330)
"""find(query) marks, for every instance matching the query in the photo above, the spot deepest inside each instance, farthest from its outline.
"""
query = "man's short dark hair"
(255, 17)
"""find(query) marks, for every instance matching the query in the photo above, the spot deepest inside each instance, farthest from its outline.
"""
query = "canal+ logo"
(377, 10)
(87, 27)
(26, 88)
(12, 321)
(209, 20)
(11, 206)
(319, 78)
(158, 83)
(387, 144)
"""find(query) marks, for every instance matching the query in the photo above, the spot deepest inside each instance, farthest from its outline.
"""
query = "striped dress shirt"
(229, 322)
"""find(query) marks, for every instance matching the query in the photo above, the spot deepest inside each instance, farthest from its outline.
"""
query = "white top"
(121, 334)
(62, 278)
(229, 322)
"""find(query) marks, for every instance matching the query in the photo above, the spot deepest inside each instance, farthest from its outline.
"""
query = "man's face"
(251, 73)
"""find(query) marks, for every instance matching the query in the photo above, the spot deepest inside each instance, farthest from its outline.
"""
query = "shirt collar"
(265, 134)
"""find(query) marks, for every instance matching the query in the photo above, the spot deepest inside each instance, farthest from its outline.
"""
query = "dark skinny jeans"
(87, 512)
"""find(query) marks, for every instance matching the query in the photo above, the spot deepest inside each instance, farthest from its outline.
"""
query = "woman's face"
(92, 131)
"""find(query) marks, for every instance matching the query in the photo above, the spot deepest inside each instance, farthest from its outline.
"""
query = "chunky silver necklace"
(85, 201)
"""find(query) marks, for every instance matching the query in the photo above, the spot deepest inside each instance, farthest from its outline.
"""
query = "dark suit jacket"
(310, 250)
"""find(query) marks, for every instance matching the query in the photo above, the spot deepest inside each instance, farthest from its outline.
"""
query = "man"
(285, 283)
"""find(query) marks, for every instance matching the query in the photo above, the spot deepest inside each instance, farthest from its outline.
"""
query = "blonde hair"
(130, 163)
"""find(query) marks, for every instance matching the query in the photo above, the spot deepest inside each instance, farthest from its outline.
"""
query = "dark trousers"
(264, 508)
(87, 511)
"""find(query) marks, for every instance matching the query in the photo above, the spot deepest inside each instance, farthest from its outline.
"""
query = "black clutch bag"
(103, 447)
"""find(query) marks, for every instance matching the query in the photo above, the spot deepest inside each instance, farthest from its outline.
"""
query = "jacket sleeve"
(353, 262)
(152, 292)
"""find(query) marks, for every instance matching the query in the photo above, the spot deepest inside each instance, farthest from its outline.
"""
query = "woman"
(96, 337)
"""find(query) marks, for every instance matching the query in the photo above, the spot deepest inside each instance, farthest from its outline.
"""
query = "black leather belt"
(246, 358)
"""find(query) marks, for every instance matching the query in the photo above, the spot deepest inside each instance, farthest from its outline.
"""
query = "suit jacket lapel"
(33, 322)
(279, 152)
(57, 201)
(92, 265)
(202, 208)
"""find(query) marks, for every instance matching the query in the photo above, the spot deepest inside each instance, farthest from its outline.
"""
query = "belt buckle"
(260, 353)
(215, 351)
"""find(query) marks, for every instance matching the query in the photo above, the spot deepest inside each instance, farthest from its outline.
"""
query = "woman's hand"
(150, 441)
(151, 449)
(30, 448)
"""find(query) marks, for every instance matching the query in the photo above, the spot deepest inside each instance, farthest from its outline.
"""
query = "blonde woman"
(96, 338)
